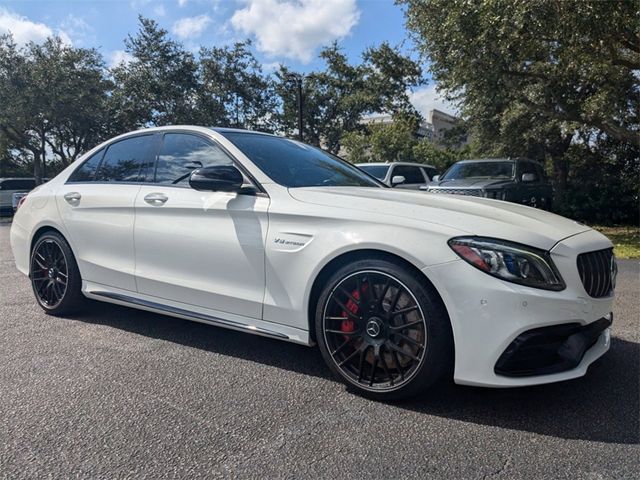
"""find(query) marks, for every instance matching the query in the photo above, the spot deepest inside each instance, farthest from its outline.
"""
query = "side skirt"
(186, 314)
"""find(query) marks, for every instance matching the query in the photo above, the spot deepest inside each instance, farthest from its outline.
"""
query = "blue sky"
(283, 31)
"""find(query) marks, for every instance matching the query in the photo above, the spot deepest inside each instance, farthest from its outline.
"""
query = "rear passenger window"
(182, 153)
(126, 160)
(87, 171)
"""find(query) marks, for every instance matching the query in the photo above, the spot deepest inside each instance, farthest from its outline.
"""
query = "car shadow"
(603, 406)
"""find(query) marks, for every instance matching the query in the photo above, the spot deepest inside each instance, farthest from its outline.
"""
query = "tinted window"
(378, 171)
(125, 161)
(87, 171)
(530, 167)
(24, 185)
(410, 174)
(295, 164)
(180, 154)
(462, 170)
(430, 172)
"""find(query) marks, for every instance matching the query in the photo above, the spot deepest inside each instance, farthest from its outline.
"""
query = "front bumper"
(488, 315)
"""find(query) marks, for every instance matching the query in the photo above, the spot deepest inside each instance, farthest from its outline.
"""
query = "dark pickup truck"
(513, 180)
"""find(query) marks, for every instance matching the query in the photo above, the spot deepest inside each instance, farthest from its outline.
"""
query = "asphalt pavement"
(116, 393)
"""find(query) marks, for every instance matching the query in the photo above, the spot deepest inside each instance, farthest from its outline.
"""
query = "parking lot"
(119, 393)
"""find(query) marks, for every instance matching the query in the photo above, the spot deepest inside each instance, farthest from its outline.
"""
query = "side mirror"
(217, 178)
(435, 178)
(397, 180)
(529, 177)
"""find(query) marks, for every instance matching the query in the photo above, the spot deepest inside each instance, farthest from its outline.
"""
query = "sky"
(290, 32)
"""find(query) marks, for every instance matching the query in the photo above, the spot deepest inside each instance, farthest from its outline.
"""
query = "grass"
(626, 240)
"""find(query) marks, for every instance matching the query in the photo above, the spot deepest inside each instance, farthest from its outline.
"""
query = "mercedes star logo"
(373, 328)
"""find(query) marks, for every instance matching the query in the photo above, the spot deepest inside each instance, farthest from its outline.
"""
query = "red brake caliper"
(348, 325)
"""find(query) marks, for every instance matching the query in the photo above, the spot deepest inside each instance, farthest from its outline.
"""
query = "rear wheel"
(383, 330)
(54, 274)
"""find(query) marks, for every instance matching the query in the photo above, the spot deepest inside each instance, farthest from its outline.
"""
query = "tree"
(159, 85)
(530, 75)
(234, 91)
(53, 99)
(336, 99)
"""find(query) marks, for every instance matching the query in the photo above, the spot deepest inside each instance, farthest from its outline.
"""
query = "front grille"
(597, 272)
(474, 192)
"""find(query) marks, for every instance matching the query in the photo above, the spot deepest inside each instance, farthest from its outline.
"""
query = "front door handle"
(72, 198)
(156, 199)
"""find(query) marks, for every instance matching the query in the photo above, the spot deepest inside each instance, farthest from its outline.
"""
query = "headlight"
(509, 261)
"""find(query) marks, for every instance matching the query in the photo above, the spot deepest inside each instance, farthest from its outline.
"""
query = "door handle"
(156, 199)
(72, 198)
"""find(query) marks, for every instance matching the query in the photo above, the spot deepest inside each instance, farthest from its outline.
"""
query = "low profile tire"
(383, 330)
(55, 277)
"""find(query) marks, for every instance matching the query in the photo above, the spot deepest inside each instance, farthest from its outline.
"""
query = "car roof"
(487, 160)
(381, 164)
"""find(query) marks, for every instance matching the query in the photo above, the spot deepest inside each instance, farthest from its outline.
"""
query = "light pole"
(298, 78)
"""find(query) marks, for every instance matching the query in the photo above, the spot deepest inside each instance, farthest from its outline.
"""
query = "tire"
(52, 260)
(380, 354)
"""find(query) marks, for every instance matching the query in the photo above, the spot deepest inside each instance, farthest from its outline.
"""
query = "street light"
(298, 78)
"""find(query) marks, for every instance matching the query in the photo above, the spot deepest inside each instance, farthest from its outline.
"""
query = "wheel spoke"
(351, 297)
(409, 339)
(385, 367)
(398, 364)
(396, 348)
(344, 308)
(363, 352)
(40, 263)
(402, 311)
(385, 289)
(340, 332)
(406, 325)
(373, 370)
(396, 298)
(351, 355)
(341, 347)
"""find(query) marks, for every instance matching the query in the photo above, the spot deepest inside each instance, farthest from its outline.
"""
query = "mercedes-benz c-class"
(270, 236)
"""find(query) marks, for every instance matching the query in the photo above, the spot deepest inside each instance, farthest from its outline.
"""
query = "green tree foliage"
(234, 90)
(52, 100)
(336, 98)
(533, 78)
(159, 85)
(397, 142)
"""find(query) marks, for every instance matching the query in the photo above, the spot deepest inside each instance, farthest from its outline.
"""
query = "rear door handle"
(72, 198)
(156, 199)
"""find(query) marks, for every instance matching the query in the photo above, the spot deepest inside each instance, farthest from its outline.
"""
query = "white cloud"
(295, 28)
(25, 31)
(160, 11)
(427, 98)
(77, 29)
(191, 27)
(119, 56)
(182, 3)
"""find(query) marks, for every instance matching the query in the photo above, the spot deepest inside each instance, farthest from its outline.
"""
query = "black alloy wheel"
(54, 275)
(375, 332)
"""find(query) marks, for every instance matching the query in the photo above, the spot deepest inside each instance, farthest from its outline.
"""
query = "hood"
(469, 215)
(471, 183)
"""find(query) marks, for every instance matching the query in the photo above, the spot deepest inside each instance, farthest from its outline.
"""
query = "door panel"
(201, 248)
(414, 177)
(99, 219)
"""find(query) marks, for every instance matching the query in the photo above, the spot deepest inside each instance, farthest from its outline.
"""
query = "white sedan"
(270, 236)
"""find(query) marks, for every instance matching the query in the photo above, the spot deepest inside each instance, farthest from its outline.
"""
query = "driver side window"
(182, 153)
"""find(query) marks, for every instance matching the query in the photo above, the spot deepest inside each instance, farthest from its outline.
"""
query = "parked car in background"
(400, 174)
(15, 199)
(514, 180)
(9, 186)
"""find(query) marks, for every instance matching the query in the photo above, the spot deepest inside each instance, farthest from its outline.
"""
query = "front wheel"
(54, 274)
(383, 330)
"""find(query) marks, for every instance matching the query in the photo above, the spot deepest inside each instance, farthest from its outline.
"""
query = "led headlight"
(509, 261)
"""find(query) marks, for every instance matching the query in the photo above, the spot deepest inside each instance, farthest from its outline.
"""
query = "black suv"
(514, 180)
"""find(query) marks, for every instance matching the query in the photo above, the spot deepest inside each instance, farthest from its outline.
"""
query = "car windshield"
(378, 171)
(295, 164)
(464, 170)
